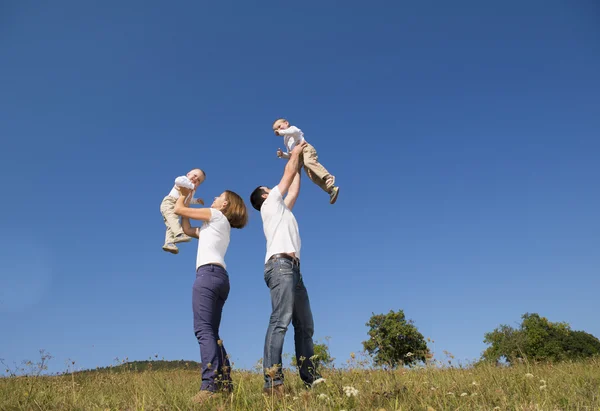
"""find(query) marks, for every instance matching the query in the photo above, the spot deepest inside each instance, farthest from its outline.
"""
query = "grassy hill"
(147, 365)
(527, 386)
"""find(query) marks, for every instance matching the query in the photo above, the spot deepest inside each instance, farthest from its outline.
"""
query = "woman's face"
(220, 202)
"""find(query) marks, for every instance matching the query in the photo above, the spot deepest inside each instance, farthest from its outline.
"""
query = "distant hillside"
(141, 366)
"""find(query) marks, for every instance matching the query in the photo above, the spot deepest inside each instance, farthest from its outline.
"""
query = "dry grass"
(566, 386)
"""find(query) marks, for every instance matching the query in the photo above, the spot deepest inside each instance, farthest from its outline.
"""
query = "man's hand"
(279, 153)
(298, 149)
(200, 201)
(277, 132)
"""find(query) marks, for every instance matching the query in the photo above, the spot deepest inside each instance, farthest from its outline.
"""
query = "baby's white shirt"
(183, 181)
(292, 136)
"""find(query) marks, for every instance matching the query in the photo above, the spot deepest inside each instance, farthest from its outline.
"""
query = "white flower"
(322, 397)
(295, 398)
(543, 387)
(474, 394)
(450, 393)
(543, 382)
(464, 394)
(496, 408)
(528, 375)
(474, 383)
(409, 354)
(318, 381)
(350, 391)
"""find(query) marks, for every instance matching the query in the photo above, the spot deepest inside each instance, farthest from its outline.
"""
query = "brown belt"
(288, 257)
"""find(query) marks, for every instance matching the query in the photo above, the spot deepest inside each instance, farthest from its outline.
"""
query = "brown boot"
(277, 390)
(202, 397)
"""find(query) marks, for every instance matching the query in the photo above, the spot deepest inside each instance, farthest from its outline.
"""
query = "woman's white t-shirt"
(213, 240)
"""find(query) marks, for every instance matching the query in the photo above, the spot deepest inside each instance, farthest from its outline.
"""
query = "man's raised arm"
(291, 169)
(293, 191)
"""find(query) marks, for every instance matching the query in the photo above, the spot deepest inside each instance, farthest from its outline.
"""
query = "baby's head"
(196, 176)
(280, 124)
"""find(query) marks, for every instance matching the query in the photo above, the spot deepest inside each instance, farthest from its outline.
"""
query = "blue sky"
(463, 135)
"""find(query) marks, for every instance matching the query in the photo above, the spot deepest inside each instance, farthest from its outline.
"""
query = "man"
(289, 298)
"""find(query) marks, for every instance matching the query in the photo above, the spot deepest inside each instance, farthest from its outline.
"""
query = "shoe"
(171, 248)
(182, 238)
(317, 381)
(334, 195)
(202, 397)
(275, 390)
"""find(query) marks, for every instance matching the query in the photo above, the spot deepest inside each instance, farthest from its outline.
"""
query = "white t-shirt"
(213, 240)
(280, 226)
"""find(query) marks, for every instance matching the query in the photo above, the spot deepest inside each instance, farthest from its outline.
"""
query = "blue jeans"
(289, 301)
(209, 294)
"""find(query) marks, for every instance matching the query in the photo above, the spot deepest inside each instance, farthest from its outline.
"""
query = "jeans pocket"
(285, 267)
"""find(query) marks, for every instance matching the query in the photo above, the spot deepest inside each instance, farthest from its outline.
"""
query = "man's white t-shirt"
(280, 226)
(213, 240)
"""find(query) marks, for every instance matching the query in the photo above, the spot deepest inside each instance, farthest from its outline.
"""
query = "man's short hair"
(256, 198)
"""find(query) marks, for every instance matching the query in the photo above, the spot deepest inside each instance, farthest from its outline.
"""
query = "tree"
(394, 341)
(538, 339)
(322, 356)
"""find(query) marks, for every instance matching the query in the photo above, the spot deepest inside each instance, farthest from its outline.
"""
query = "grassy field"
(565, 386)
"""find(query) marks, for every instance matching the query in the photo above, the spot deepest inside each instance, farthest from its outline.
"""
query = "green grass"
(565, 386)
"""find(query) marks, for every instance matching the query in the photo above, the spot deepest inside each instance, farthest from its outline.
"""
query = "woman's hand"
(184, 191)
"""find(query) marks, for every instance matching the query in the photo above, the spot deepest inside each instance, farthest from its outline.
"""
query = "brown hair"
(235, 211)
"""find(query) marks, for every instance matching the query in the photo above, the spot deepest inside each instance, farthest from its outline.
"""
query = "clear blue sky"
(464, 137)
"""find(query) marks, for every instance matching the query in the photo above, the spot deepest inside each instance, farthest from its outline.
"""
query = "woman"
(211, 287)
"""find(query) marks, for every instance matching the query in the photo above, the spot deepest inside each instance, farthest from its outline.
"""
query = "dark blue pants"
(209, 294)
(289, 302)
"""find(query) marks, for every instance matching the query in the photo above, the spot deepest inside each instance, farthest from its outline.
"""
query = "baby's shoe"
(171, 248)
(333, 195)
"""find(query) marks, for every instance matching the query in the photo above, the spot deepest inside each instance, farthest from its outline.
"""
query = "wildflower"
(474, 383)
(464, 394)
(474, 394)
(350, 391)
(318, 381)
(450, 393)
(543, 382)
(496, 408)
(409, 354)
(528, 375)
(352, 355)
(322, 397)
(295, 398)
(543, 387)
